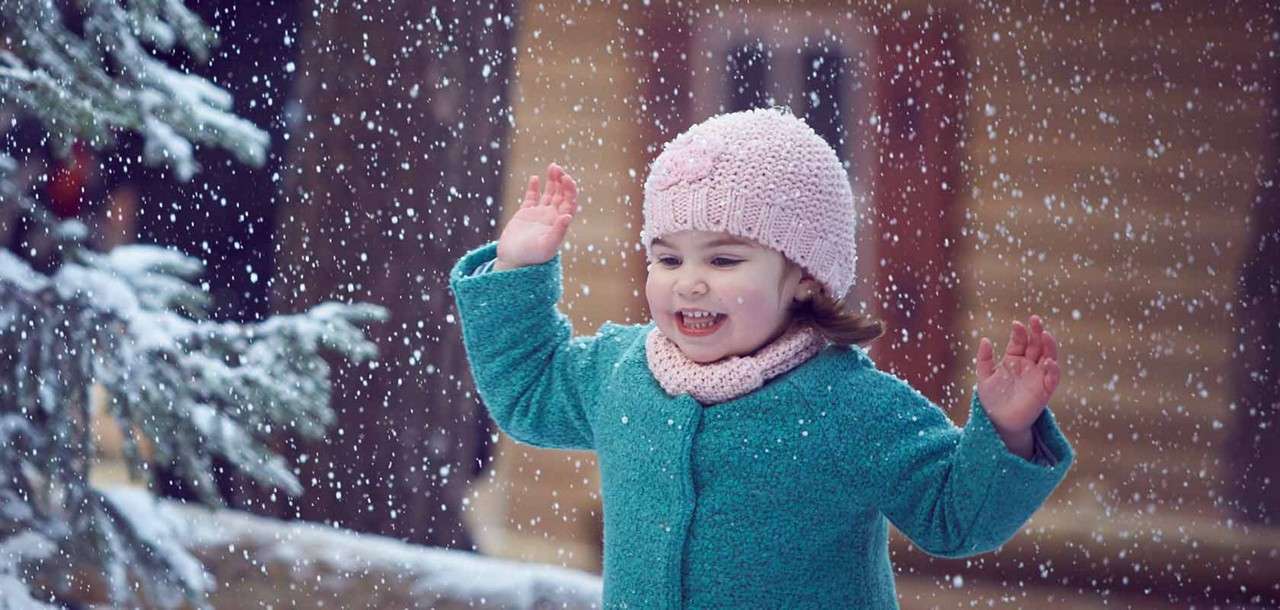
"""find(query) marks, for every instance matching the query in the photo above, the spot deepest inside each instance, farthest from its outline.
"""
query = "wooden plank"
(1118, 65)
(1123, 109)
(1082, 19)
(1203, 252)
(1188, 164)
(1128, 198)
(1074, 173)
(1139, 230)
(1092, 128)
(1096, 52)
(1136, 293)
(1088, 37)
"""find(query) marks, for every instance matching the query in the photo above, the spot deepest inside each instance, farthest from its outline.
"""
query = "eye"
(721, 261)
(668, 261)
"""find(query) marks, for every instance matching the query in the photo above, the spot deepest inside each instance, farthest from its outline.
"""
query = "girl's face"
(748, 287)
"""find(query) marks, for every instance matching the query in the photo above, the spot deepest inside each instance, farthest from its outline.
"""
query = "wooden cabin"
(1092, 163)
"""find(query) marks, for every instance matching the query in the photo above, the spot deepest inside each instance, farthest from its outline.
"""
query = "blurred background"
(1109, 166)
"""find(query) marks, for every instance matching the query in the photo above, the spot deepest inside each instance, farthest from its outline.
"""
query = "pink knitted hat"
(760, 174)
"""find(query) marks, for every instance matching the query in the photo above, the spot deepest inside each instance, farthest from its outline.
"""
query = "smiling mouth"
(701, 326)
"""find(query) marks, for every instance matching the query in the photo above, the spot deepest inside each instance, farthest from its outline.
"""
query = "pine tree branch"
(63, 79)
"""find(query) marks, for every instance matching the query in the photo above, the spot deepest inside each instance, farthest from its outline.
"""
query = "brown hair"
(835, 322)
(832, 318)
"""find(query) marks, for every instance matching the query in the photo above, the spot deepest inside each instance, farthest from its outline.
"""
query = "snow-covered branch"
(62, 78)
(187, 390)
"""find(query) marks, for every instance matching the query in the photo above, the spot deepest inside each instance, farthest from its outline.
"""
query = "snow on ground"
(260, 563)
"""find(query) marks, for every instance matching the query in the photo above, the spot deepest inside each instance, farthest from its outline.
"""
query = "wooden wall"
(1112, 160)
(1113, 151)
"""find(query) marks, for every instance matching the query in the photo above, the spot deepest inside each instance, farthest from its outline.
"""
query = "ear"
(807, 288)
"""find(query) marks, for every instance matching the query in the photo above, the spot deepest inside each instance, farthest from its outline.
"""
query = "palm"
(536, 230)
(1016, 391)
(531, 229)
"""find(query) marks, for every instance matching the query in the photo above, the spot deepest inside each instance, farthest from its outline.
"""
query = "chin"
(704, 358)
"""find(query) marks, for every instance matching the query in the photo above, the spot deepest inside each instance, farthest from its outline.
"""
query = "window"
(818, 64)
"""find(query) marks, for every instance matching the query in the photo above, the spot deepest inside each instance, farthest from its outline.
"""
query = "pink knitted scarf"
(731, 377)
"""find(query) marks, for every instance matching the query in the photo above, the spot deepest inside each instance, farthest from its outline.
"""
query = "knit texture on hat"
(764, 175)
(726, 379)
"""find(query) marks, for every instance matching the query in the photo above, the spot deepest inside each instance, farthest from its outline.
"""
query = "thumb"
(1052, 374)
(986, 359)
(559, 228)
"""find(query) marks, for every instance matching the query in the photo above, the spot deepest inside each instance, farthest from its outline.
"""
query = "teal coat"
(776, 499)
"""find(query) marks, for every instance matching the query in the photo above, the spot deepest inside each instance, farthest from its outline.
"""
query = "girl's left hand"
(1016, 392)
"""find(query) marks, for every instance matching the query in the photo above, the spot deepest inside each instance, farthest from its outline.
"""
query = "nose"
(691, 285)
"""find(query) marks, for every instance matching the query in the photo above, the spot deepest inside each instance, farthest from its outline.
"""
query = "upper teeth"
(697, 314)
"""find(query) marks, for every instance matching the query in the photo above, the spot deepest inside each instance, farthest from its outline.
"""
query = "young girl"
(749, 450)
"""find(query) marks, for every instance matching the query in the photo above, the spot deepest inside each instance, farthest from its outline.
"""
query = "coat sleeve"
(538, 382)
(957, 492)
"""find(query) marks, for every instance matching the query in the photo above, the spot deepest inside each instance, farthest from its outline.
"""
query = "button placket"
(687, 427)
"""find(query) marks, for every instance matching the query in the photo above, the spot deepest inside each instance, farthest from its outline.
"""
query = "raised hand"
(1016, 391)
(535, 232)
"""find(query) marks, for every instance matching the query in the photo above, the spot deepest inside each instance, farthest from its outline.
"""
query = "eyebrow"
(723, 241)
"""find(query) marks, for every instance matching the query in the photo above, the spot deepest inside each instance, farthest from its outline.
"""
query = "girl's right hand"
(535, 232)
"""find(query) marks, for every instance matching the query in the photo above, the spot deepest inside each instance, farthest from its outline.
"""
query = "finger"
(986, 359)
(554, 172)
(559, 229)
(1034, 340)
(570, 204)
(1050, 347)
(557, 191)
(1052, 375)
(530, 193)
(547, 187)
(553, 190)
(1017, 340)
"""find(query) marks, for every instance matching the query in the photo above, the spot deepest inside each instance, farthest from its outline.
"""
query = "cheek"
(653, 293)
(751, 299)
